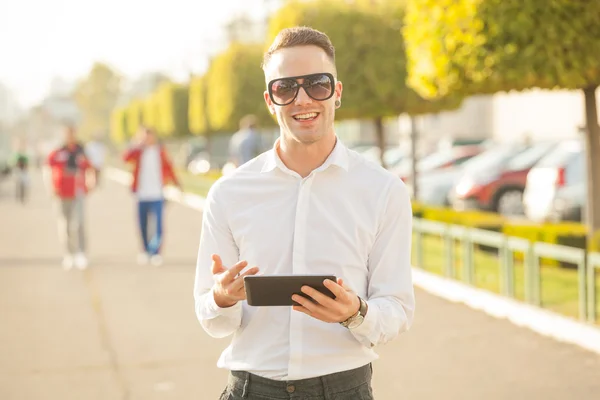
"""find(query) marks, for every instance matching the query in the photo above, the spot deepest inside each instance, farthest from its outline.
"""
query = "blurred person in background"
(69, 164)
(20, 164)
(246, 143)
(152, 170)
(95, 151)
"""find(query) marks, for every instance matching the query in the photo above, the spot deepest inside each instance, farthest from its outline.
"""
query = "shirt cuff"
(363, 332)
(215, 311)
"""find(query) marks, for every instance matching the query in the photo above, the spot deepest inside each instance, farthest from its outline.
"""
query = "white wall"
(539, 113)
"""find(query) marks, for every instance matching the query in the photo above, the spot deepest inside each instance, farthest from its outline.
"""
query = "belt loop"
(246, 390)
(326, 394)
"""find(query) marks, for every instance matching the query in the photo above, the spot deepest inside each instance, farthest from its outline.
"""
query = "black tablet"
(277, 290)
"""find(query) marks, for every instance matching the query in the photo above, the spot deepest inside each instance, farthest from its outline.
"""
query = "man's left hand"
(324, 308)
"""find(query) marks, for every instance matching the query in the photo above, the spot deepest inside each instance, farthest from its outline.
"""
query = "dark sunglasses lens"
(284, 90)
(319, 87)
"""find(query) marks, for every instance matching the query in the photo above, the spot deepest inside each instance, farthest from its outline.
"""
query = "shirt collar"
(338, 157)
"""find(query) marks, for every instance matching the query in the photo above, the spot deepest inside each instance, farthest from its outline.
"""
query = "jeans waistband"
(326, 385)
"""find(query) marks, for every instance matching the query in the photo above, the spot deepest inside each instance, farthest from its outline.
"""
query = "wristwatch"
(357, 319)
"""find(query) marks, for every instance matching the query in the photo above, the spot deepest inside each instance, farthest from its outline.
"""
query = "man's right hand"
(229, 287)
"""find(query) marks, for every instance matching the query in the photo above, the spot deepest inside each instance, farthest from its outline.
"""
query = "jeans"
(72, 224)
(347, 385)
(145, 210)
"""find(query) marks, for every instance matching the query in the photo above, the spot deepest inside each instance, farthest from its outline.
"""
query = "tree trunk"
(413, 151)
(593, 166)
(380, 138)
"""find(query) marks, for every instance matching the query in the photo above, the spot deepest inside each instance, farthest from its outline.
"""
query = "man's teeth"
(306, 116)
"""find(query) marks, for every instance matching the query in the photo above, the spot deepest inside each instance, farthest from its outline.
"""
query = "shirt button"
(290, 388)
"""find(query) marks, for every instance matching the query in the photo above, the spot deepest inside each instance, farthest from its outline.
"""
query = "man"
(308, 206)
(68, 165)
(20, 164)
(95, 151)
(246, 143)
(152, 170)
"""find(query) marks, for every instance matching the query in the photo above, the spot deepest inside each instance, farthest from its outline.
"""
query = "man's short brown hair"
(300, 36)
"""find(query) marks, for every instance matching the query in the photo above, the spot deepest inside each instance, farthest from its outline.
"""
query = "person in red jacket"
(152, 170)
(68, 164)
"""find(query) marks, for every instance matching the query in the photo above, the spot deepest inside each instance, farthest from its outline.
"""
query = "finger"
(233, 272)
(319, 297)
(238, 283)
(308, 304)
(336, 289)
(217, 264)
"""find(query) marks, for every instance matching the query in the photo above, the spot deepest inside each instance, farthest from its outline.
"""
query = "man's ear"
(270, 104)
(338, 90)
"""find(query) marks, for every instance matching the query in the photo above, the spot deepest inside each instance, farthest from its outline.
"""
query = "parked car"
(495, 180)
(438, 160)
(564, 167)
(392, 155)
(434, 186)
(569, 203)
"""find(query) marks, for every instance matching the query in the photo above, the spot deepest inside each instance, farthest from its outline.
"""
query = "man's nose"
(302, 98)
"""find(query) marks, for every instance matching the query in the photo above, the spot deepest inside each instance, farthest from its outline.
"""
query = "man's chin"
(307, 137)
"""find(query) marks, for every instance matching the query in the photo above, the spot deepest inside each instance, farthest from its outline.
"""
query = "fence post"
(468, 258)
(505, 267)
(581, 281)
(536, 297)
(419, 243)
(591, 287)
(449, 251)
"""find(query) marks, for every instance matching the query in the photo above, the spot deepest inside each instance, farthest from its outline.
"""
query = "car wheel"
(510, 203)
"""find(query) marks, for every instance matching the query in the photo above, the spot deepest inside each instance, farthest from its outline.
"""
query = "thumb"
(217, 265)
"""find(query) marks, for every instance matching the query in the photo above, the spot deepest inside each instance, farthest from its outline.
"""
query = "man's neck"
(304, 158)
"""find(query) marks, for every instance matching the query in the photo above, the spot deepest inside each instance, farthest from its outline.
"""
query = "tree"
(236, 85)
(486, 46)
(172, 102)
(118, 130)
(198, 115)
(370, 60)
(96, 96)
(134, 117)
(151, 111)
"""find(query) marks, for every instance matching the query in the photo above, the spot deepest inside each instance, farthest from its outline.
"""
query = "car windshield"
(561, 155)
(493, 158)
(529, 157)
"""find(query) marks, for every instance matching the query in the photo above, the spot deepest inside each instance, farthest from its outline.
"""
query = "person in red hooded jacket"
(68, 164)
(152, 170)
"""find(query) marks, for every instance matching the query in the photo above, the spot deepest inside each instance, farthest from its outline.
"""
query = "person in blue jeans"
(152, 171)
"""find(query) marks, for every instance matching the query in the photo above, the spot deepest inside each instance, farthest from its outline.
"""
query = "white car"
(563, 166)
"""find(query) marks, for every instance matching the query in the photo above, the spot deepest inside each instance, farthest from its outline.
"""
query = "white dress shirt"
(349, 218)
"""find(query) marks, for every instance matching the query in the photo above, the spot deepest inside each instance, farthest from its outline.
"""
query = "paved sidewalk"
(121, 331)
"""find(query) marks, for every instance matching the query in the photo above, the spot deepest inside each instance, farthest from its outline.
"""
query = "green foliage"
(198, 115)
(370, 60)
(134, 117)
(151, 111)
(118, 131)
(485, 46)
(236, 84)
(172, 101)
(96, 96)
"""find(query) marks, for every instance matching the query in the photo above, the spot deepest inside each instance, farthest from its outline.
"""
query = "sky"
(45, 39)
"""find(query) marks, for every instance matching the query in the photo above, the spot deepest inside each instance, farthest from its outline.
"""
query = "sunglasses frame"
(302, 85)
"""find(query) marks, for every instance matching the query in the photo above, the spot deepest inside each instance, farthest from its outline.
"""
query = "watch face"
(355, 323)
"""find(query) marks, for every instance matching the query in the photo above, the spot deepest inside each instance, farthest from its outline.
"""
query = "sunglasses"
(283, 91)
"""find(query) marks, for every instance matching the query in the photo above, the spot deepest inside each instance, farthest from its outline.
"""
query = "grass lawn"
(196, 184)
(559, 287)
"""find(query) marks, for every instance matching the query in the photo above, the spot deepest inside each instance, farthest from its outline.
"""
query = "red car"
(495, 180)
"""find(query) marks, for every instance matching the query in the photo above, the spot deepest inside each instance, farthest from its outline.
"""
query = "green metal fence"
(586, 263)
